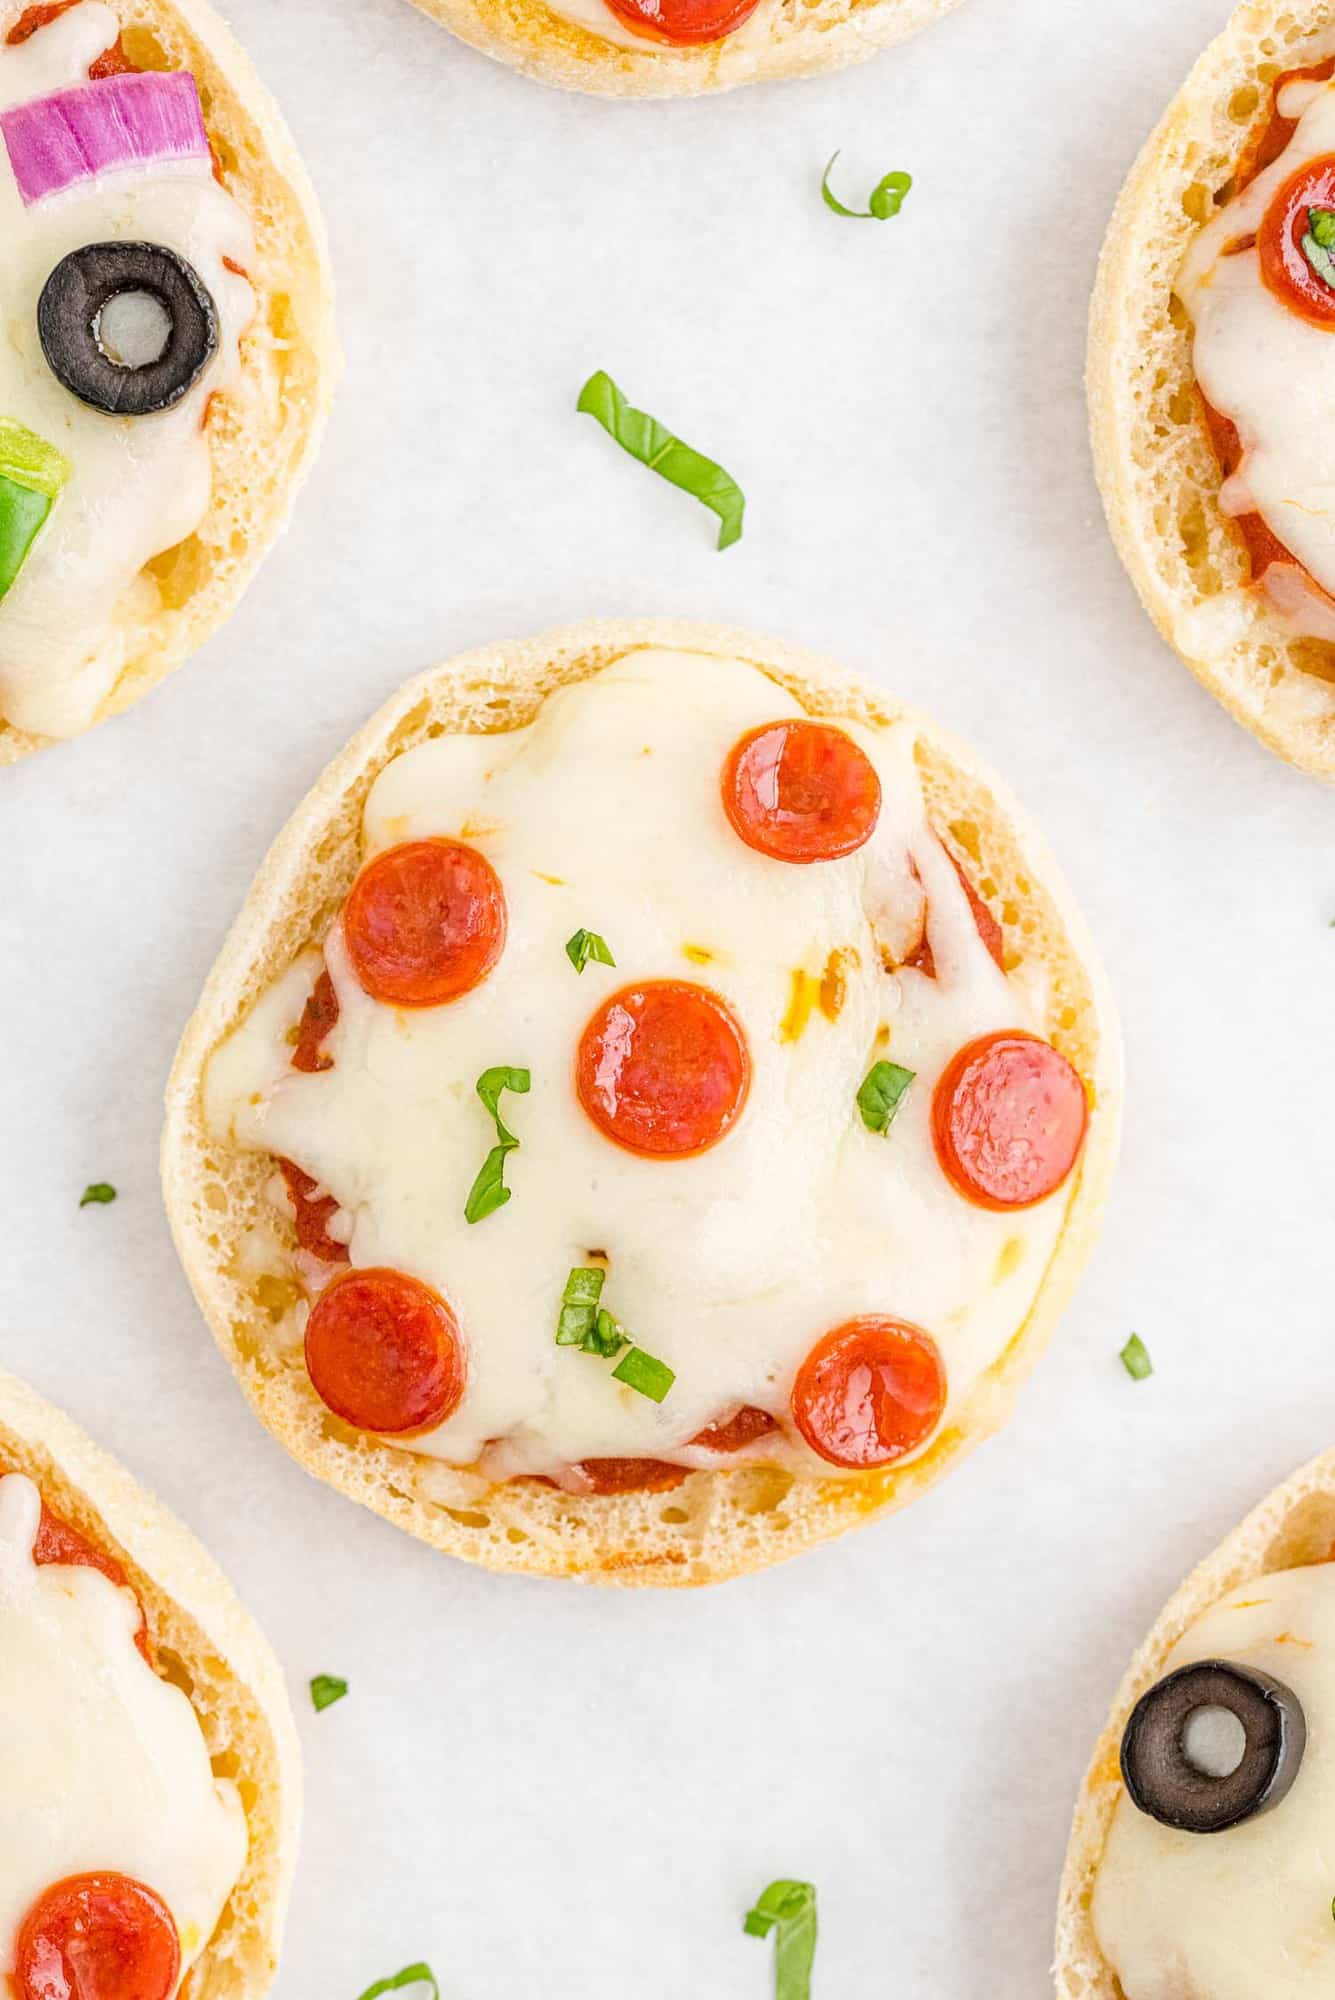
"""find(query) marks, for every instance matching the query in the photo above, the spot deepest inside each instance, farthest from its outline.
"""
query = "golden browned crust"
(1159, 478)
(717, 1524)
(264, 432)
(1294, 1526)
(806, 36)
(207, 1645)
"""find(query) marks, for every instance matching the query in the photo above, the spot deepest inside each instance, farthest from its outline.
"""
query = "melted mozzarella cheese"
(605, 813)
(1273, 374)
(138, 485)
(1245, 1913)
(104, 1765)
(597, 17)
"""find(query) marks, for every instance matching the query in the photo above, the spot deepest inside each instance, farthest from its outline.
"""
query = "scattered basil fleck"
(577, 1322)
(1135, 1358)
(1319, 243)
(886, 198)
(788, 1909)
(97, 1191)
(645, 1373)
(882, 1093)
(412, 1975)
(489, 1192)
(586, 945)
(653, 445)
(326, 1689)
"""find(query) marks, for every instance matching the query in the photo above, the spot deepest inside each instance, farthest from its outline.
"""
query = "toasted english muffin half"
(717, 1524)
(207, 1645)
(1158, 474)
(784, 38)
(265, 431)
(1293, 1527)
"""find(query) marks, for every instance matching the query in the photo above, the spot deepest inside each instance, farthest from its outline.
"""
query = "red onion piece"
(75, 135)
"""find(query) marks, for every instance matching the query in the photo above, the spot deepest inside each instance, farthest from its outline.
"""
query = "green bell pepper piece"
(32, 473)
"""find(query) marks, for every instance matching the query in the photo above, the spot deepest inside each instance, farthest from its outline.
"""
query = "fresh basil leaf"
(489, 1192)
(97, 1191)
(1321, 222)
(886, 199)
(1135, 1358)
(644, 1373)
(655, 446)
(1319, 257)
(882, 1093)
(412, 1975)
(586, 945)
(578, 1317)
(326, 1689)
(788, 1909)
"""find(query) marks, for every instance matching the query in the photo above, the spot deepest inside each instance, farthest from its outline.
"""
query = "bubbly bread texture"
(206, 1645)
(783, 38)
(1294, 1527)
(720, 1522)
(263, 431)
(1159, 477)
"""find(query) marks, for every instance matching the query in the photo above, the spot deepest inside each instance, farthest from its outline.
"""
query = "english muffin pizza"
(1200, 1860)
(674, 48)
(649, 1111)
(1212, 375)
(150, 1796)
(169, 349)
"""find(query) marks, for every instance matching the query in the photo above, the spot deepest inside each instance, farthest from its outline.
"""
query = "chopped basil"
(1135, 1358)
(645, 1373)
(789, 1909)
(653, 445)
(882, 1093)
(97, 1191)
(579, 1307)
(326, 1689)
(412, 1975)
(886, 198)
(1319, 243)
(489, 1192)
(586, 945)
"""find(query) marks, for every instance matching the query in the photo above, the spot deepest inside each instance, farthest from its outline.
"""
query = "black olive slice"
(68, 324)
(1162, 1779)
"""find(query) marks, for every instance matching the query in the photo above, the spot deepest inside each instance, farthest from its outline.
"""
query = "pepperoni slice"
(663, 1068)
(629, 1475)
(734, 1433)
(801, 791)
(869, 1392)
(1008, 1118)
(425, 922)
(986, 925)
(683, 22)
(383, 1352)
(318, 1017)
(312, 1215)
(97, 1937)
(113, 62)
(57, 1542)
(1284, 265)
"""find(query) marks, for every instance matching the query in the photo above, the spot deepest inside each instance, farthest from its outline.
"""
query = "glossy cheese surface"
(1236, 1915)
(605, 813)
(104, 1765)
(138, 485)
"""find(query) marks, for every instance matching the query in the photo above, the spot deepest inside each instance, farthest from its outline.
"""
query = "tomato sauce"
(57, 1542)
(112, 61)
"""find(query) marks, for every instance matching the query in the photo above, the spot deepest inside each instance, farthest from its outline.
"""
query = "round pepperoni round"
(801, 791)
(1296, 264)
(97, 1937)
(663, 1068)
(1008, 1118)
(383, 1352)
(683, 22)
(869, 1392)
(425, 922)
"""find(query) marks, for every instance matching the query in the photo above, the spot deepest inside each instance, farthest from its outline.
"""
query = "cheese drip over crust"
(137, 485)
(605, 813)
(1238, 1914)
(1272, 374)
(104, 1765)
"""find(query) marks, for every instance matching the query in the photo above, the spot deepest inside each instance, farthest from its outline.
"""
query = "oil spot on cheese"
(834, 981)
(557, 881)
(803, 995)
(1012, 1253)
